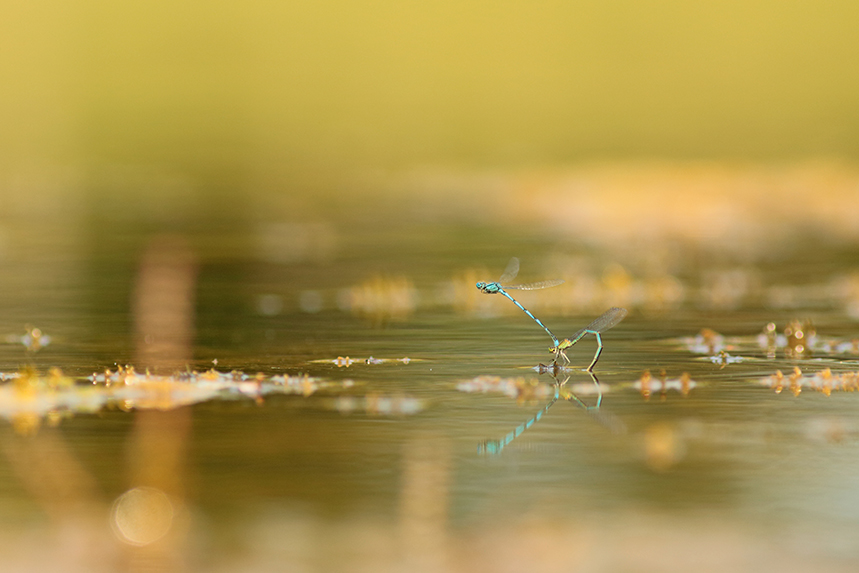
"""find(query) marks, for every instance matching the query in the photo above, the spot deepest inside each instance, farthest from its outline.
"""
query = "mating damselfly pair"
(607, 320)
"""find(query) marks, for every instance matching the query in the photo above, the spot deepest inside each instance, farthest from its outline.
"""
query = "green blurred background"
(247, 95)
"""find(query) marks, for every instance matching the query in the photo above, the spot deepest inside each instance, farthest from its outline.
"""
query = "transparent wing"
(536, 285)
(510, 272)
(607, 319)
(603, 322)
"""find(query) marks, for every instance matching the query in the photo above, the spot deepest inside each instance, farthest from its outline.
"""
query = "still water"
(358, 376)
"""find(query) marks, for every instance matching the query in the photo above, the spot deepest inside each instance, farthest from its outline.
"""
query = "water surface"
(376, 462)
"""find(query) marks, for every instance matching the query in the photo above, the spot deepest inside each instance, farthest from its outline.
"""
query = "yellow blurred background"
(234, 95)
(630, 127)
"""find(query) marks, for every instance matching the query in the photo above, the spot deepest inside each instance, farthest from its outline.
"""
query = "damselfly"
(605, 321)
(510, 273)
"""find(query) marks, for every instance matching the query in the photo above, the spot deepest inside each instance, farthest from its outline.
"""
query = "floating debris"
(30, 397)
(33, 340)
(800, 340)
(586, 389)
(823, 381)
(304, 385)
(723, 359)
(834, 346)
(707, 341)
(768, 339)
(520, 389)
(556, 370)
(377, 405)
(523, 389)
(829, 429)
(648, 385)
(345, 361)
(552, 368)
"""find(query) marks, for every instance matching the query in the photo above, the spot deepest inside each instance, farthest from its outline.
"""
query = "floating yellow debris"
(708, 341)
(33, 340)
(799, 338)
(32, 397)
(723, 359)
(647, 384)
(585, 389)
(643, 384)
(345, 361)
(378, 405)
(521, 389)
(823, 381)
